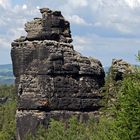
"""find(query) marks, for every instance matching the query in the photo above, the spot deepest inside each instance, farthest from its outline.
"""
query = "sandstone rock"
(115, 77)
(52, 79)
(51, 26)
(119, 68)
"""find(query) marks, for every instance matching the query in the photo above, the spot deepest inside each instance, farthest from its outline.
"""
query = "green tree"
(7, 113)
(128, 115)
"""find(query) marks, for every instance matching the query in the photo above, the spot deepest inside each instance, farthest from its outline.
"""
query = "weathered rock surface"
(52, 79)
(117, 72)
(51, 26)
(119, 68)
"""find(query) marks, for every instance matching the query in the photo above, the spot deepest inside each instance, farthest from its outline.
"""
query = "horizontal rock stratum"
(52, 79)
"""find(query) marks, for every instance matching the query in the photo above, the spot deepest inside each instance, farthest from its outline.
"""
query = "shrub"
(128, 115)
(7, 113)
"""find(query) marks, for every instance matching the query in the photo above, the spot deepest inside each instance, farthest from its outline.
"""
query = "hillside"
(6, 74)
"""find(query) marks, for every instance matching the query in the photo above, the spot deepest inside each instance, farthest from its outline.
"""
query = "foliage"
(8, 91)
(7, 113)
(138, 56)
(121, 120)
(110, 93)
(128, 114)
(75, 130)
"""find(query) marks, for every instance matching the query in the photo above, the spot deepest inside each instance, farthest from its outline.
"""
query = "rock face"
(115, 77)
(52, 79)
(51, 26)
(119, 68)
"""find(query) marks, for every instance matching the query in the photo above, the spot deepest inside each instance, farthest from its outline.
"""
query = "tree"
(128, 115)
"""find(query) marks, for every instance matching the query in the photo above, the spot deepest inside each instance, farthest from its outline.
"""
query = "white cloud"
(83, 40)
(105, 49)
(4, 43)
(97, 24)
(2, 22)
(12, 20)
(117, 15)
(37, 7)
(24, 7)
(80, 42)
(114, 15)
(75, 19)
(5, 3)
(107, 19)
(133, 3)
(16, 33)
(78, 3)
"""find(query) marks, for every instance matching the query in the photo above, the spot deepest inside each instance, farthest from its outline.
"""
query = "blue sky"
(104, 29)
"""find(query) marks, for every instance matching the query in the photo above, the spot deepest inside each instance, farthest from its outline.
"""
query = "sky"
(103, 29)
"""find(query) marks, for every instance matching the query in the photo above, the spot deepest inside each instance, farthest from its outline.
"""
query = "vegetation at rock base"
(127, 118)
(120, 119)
(75, 131)
(7, 113)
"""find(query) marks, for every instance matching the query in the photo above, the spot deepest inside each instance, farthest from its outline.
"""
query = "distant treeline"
(6, 74)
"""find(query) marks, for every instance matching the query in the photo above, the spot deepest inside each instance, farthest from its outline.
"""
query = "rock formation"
(115, 77)
(52, 79)
(119, 68)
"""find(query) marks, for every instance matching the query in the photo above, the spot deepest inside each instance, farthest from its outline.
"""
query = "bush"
(121, 120)
(75, 130)
(7, 113)
(128, 115)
